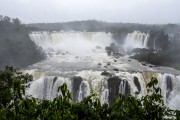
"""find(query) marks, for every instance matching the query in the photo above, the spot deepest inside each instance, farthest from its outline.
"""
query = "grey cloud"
(136, 11)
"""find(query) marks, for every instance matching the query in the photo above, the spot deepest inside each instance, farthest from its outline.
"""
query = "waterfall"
(46, 87)
(136, 40)
(106, 88)
(145, 44)
(84, 90)
(168, 86)
(56, 41)
(105, 92)
(79, 59)
(124, 87)
(154, 45)
(174, 102)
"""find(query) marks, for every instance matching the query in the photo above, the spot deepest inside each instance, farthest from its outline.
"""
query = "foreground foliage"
(15, 105)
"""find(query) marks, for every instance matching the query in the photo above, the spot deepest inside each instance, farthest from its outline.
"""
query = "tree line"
(163, 43)
(161, 51)
(16, 48)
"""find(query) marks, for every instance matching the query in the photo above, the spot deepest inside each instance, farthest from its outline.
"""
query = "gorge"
(79, 59)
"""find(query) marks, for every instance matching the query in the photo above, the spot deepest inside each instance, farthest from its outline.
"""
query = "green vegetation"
(164, 48)
(158, 40)
(16, 48)
(95, 25)
(119, 30)
(15, 105)
(169, 57)
(163, 53)
(149, 56)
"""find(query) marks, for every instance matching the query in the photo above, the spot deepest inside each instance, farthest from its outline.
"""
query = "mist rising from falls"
(136, 40)
(79, 59)
(73, 42)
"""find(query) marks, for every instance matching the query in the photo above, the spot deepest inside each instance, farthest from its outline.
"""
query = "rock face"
(124, 88)
(116, 85)
(76, 81)
(105, 73)
(113, 86)
(137, 84)
(127, 89)
(108, 50)
(115, 69)
(169, 86)
(99, 64)
(113, 49)
(108, 63)
(54, 80)
(143, 63)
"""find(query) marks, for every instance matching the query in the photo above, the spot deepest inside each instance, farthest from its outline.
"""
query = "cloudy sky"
(128, 11)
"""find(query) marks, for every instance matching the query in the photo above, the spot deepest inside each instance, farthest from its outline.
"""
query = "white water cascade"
(136, 40)
(73, 42)
(79, 59)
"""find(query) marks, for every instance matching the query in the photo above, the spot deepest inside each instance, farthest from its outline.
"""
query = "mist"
(77, 43)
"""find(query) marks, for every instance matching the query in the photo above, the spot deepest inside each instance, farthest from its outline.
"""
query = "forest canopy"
(16, 48)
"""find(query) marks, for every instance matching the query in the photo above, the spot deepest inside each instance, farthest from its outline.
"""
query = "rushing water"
(79, 59)
(136, 40)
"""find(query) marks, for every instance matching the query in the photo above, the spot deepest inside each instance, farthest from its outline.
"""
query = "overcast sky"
(128, 11)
